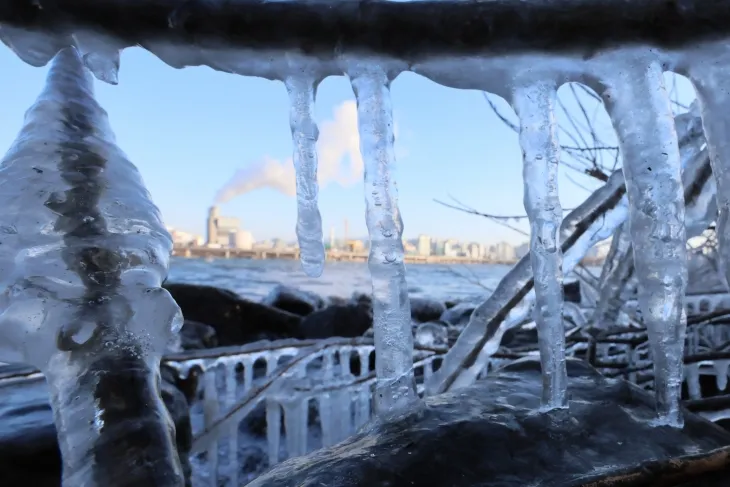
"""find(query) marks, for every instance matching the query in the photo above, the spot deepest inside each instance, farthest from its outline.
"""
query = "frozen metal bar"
(409, 31)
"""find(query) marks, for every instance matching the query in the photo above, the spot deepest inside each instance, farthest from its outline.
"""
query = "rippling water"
(255, 278)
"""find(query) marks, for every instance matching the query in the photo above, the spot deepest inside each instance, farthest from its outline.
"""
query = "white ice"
(534, 104)
(391, 306)
(639, 106)
(304, 131)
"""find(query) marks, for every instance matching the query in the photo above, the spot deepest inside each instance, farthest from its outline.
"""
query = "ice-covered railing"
(522, 51)
(332, 376)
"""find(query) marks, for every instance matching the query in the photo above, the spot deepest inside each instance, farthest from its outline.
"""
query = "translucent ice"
(391, 307)
(541, 153)
(304, 134)
(82, 259)
(709, 74)
(639, 106)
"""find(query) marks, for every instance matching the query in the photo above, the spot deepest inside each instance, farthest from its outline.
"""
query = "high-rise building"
(424, 245)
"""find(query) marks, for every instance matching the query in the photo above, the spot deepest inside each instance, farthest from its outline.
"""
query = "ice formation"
(82, 259)
(391, 307)
(304, 131)
(709, 75)
(639, 106)
(541, 152)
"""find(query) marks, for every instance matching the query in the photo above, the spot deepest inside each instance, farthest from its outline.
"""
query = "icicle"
(692, 376)
(541, 151)
(100, 56)
(721, 372)
(248, 365)
(210, 413)
(273, 430)
(326, 419)
(304, 134)
(391, 307)
(710, 77)
(231, 399)
(296, 411)
(640, 109)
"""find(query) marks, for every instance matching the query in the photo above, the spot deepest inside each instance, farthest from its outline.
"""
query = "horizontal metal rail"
(408, 31)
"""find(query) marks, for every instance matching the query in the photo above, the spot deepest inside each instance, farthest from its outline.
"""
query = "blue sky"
(189, 131)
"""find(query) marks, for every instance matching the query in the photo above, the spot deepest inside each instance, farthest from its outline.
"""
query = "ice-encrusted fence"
(520, 50)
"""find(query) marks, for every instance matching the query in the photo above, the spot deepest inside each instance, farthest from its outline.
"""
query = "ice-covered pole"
(396, 385)
(534, 102)
(82, 259)
(639, 106)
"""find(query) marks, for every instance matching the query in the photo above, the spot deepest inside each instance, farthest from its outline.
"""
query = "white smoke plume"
(338, 142)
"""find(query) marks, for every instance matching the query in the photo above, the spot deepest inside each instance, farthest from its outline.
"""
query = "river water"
(254, 279)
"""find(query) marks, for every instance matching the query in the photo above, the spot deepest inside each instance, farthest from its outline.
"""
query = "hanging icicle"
(391, 306)
(304, 132)
(639, 106)
(534, 104)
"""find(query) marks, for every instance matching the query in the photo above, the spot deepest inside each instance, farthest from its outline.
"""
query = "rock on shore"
(491, 434)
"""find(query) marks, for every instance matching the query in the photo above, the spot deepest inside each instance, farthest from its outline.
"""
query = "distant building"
(222, 230)
(424, 245)
(244, 240)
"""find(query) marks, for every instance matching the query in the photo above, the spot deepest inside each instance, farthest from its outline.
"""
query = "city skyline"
(204, 130)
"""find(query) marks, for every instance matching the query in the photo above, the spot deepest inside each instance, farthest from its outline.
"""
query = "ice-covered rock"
(294, 300)
(489, 434)
(236, 320)
(423, 309)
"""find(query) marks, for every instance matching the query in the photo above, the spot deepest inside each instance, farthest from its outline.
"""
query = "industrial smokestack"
(213, 225)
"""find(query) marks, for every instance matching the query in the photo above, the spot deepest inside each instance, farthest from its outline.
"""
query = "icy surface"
(639, 106)
(304, 132)
(534, 105)
(391, 307)
(83, 255)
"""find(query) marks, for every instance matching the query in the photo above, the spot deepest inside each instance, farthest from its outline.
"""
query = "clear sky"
(190, 131)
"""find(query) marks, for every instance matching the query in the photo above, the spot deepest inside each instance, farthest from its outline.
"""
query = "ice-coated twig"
(301, 89)
(534, 104)
(639, 106)
(594, 220)
(396, 384)
(82, 259)
(618, 269)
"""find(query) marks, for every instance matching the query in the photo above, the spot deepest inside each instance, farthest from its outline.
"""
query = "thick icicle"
(541, 152)
(391, 307)
(710, 80)
(304, 135)
(83, 256)
(639, 106)
(618, 280)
